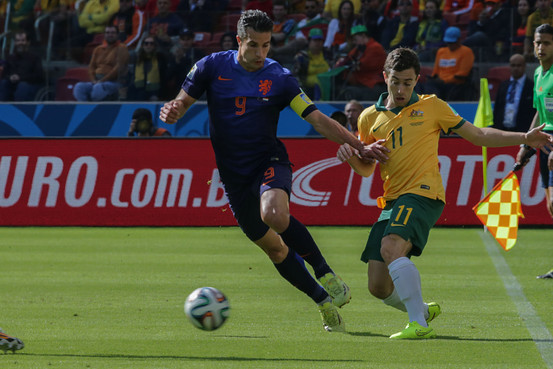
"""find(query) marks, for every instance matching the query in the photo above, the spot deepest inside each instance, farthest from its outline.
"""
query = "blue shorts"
(244, 198)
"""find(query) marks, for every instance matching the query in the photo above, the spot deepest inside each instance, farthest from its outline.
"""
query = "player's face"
(543, 48)
(253, 49)
(400, 87)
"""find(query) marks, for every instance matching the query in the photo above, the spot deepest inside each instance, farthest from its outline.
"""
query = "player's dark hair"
(257, 20)
(401, 59)
(545, 29)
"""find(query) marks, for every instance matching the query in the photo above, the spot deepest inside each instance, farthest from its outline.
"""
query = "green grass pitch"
(113, 298)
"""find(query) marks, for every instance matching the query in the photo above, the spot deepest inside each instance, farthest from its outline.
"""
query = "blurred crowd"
(141, 50)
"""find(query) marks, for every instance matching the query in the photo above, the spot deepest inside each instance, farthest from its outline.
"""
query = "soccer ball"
(207, 308)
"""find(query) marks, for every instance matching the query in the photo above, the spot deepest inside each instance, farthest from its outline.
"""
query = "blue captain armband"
(302, 105)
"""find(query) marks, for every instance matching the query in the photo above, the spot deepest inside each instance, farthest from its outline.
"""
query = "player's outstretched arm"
(334, 131)
(492, 137)
(348, 154)
(173, 110)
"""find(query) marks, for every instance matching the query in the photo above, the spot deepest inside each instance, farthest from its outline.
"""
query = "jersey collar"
(381, 106)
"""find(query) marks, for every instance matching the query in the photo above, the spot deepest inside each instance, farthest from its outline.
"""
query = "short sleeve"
(197, 79)
(447, 118)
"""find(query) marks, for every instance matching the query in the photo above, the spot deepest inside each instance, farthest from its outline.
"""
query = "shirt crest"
(265, 86)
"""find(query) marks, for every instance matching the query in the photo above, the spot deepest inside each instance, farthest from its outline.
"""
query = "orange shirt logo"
(265, 86)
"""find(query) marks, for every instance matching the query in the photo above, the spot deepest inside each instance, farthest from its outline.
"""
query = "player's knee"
(276, 219)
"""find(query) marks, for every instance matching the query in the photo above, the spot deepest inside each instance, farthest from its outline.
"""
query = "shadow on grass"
(197, 358)
(457, 338)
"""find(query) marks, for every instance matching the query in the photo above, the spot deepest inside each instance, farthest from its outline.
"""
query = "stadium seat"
(450, 18)
(89, 48)
(227, 22)
(202, 39)
(495, 76)
(426, 71)
(80, 73)
(64, 88)
(234, 5)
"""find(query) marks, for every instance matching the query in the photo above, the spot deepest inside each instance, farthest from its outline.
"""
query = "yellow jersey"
(412, 134)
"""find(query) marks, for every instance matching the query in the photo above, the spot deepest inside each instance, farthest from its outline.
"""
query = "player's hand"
(550, 161)
(540, 140)
(170, 112)
(345, 152)
(375, 151)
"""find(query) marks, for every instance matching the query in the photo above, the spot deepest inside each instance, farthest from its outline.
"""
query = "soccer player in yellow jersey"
(403, 130)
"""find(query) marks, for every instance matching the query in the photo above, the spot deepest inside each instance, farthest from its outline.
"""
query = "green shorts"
(409, 216)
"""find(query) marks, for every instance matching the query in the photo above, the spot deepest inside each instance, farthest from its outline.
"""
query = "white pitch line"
(539, 332)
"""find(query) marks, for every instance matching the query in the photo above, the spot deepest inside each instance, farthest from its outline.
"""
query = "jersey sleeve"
(197, 79)
(300, 103)
(448, 119)
(365, 123)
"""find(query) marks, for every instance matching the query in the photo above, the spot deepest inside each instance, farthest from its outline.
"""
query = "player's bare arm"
(334, 131)
(523, 149)
(173, 110)
(348, 154)
(492, 137)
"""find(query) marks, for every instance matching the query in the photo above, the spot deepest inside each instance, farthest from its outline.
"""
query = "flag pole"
(484, 118)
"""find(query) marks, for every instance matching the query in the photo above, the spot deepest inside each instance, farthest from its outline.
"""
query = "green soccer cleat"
(414, 331)
(433, 311)
(336, 288)
(8, 343)
(548, 275)
(332, 321)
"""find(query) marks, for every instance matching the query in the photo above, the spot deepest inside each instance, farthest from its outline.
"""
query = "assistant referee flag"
(500, 209)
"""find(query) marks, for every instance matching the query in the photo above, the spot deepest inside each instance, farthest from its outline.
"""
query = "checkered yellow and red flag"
(500, 209)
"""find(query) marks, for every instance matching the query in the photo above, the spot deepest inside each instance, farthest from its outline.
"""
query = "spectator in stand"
(391, 9)
(148, 73)
(165, 25)
(198, 14)
(450, 79)
(263, 5)
(365, 62)
(108, 69)
(22, 16)
(458, 7)
(62, 13)
(129, 21)
(514, 104)
(183, 56)
(332, 8)
(524, 9)
(296, 6)
(143, 126)
(228, 42)
(371, 18)
(94, 18)
(282, 24)
(147, 7)
(313, 19)
(338, 37)
(23, 74)
(308, 64)
(401, 31)
(340, 117)
(352, 110)
(431, 31)
(422, 6)
(542, 15)
(490, 35)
